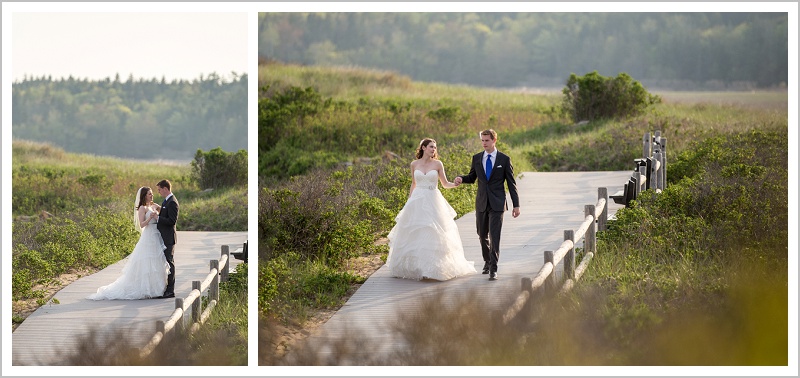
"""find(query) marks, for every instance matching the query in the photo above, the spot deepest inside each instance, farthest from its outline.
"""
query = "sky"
(145, 45)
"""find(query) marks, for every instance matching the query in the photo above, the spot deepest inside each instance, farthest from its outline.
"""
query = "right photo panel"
(524, 189)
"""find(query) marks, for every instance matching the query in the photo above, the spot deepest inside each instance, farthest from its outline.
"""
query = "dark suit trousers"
(489, 225)
(168, 253)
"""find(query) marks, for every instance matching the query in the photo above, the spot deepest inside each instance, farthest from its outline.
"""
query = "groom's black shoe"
(168, 295)
(493, 276)
(486, 268)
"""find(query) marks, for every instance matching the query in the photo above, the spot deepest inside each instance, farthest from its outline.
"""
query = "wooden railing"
(218, 272)
(650, 171)
(545, 280)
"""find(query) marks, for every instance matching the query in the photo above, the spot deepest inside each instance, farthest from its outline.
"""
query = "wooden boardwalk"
(549, 203)
(48, 335)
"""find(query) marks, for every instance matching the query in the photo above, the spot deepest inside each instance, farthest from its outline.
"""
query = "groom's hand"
(515, 212)
(457, 181)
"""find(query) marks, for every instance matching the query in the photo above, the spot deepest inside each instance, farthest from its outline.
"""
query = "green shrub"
(449, 114)
(217, 168)
(278, 109)
(289, 286)
(93, 238)
(592, 97)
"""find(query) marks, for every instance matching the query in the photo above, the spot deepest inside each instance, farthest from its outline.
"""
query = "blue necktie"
(488, 166)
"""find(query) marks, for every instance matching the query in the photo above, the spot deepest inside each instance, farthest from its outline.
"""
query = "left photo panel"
(129, 189)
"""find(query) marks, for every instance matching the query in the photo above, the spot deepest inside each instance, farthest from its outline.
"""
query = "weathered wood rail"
(650, 173)
(192, 303)
(596, 217)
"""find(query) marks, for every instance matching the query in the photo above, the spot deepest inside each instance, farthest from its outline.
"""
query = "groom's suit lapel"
(477, 161)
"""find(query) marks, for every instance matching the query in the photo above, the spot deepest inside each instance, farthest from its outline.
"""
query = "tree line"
(134, 118)
(667, 50)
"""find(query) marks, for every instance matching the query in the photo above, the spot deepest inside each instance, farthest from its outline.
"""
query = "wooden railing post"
(663, 163)
(602, 193)
(657, 177)
(213, 290)
(647, 143)
(569, 259)
(651, 182)
(525, 311)
(590, 242)
(179, 305)
(643, 173)
(197, 307)
(225, 269)
(160, 327)
(550, 281)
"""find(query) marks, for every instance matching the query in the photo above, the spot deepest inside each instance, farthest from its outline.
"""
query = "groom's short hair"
(165, 184)
(490, 132)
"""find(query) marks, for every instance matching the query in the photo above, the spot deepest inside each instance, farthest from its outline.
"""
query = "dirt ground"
(23, 308)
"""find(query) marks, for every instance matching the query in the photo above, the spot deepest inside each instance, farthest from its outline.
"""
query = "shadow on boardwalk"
(49, 335)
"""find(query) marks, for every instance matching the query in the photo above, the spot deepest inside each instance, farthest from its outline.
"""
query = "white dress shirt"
(494, 158)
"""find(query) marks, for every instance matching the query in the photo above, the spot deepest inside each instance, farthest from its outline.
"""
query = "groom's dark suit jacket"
(491, 192)
(167, 220)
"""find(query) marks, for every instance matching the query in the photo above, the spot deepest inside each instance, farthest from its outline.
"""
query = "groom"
(166, 221)
(491, 168)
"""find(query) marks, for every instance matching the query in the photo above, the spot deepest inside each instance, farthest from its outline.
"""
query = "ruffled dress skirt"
(425, 242)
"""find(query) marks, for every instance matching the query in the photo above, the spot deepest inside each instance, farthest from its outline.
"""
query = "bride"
(145, 273)
(425, 242)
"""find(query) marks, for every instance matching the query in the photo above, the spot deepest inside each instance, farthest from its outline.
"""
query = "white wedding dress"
(145, 273)
(425, 243)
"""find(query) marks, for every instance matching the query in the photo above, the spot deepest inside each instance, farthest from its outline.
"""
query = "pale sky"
(147, 45)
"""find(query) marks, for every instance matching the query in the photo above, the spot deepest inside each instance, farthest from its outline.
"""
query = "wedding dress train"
(144, 274)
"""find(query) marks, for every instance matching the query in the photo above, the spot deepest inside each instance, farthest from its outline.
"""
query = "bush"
(76, 240)
(592, 97)
(217, 168)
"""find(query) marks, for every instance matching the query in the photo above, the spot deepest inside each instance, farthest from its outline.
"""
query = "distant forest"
(140, 119)
(664, 50)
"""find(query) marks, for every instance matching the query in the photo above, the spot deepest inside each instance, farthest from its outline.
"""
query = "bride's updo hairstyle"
(142, 195)
(424, 143)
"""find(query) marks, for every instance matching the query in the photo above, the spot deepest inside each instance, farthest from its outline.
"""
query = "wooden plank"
(50, 332)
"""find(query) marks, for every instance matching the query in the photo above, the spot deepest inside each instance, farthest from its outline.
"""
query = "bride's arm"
(143, 221)
(413, 180)
(443, 178)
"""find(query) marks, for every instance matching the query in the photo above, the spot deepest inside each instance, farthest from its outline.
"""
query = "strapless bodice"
(428, 180)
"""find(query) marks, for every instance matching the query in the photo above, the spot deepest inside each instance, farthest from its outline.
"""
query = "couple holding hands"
(425, 242)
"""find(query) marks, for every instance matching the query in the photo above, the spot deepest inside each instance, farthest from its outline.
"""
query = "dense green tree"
(669, 50)
(137, 118)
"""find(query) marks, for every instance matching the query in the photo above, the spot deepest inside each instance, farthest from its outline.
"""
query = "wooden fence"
(218, 272)
(650, 171)
(596, 217)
